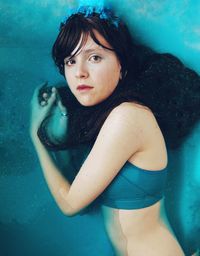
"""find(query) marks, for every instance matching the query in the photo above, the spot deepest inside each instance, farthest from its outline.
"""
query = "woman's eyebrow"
(93, 50)
(87, 51)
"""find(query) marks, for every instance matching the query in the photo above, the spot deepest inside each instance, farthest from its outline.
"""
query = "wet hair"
(79, 26)
(158, 81)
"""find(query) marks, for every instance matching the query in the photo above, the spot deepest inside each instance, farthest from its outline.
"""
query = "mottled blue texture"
(30, 221)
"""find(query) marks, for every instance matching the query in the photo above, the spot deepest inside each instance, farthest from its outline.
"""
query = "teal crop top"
(134, 188)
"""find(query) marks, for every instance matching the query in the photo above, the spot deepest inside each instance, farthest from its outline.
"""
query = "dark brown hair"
(158, 81)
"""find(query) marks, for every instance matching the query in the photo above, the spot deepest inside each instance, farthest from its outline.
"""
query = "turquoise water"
(29, 219)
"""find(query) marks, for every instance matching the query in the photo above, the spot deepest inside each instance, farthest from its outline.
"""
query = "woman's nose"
(81, 71)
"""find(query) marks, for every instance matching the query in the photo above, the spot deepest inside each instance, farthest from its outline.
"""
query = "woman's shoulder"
(126, 118)
(135, 118)
(130, 118)
(134, 124)
(141, 129)
(134, 106)
(133, 111)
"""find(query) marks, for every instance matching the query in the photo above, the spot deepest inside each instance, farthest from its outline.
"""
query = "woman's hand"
(57, 124)
(46, 103)
(40, 109)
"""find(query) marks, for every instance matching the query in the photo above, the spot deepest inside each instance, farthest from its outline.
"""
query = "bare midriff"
(140, 232)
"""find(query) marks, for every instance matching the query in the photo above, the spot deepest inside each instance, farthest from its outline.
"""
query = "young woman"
(122, 105)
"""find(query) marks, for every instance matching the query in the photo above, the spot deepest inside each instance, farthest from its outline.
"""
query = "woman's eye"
(95, 58)
(69, 62)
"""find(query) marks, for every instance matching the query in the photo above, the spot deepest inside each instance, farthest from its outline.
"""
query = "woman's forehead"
(87, 44)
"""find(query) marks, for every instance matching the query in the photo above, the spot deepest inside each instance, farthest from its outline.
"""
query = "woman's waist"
(132, 222)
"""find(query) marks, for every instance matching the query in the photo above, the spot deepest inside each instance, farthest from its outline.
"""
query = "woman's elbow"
(73, 213)
(69, 211)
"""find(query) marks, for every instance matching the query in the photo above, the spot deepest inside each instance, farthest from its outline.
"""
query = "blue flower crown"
(105, 13)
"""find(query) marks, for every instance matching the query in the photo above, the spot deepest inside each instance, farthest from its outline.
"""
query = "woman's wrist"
(48, 139)
(33, 133)
(59, 128)
(56, 127)
(34, 137)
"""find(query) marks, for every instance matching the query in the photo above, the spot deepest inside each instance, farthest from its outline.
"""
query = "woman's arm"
(56, 182)
(40, 110)
(119, 138)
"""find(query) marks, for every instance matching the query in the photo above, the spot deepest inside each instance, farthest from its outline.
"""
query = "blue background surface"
(30, 221)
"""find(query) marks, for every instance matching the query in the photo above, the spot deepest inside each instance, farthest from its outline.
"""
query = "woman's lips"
(84, 87)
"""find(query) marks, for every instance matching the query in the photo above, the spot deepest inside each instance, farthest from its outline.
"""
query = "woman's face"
(93, 73)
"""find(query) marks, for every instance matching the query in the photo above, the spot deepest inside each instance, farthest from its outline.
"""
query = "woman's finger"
(59, 101)
(43, 103)
(43, 89)
(54, 90)
(38, 89)
(51, 99)
(61, 107)
(45, 95)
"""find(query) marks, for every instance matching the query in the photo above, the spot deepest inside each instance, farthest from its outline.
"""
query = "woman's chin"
(88, 102)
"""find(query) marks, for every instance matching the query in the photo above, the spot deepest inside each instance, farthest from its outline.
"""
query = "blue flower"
(87, 11)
